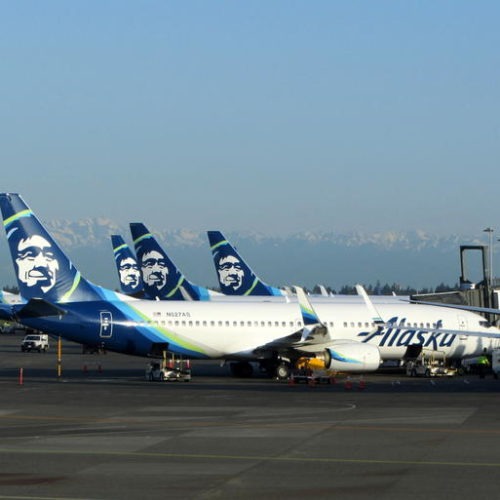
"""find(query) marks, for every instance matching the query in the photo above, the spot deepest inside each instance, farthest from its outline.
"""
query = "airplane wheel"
(283, 371)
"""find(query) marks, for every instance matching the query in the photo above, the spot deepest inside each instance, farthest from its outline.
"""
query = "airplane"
(398, 331)
(162, 279)
(345, 336)
(61, 302)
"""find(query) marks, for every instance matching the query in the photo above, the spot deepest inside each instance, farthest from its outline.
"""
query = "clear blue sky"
(277, 116)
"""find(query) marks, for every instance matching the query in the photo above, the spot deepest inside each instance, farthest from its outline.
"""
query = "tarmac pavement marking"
(10, 497)
(190, 424)
(260, 458)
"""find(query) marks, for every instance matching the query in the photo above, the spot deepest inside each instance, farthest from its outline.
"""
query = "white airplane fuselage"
(236, 329)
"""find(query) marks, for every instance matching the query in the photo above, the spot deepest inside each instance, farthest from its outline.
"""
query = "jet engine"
(351, 357)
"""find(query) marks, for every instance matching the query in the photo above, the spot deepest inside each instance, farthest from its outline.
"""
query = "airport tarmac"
(101, 431)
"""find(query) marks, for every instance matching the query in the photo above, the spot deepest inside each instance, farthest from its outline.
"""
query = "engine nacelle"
(352, 357)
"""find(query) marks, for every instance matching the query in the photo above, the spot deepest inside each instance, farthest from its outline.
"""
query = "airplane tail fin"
(161, 277)
(42, 268)
(129, 273)
(234, 274)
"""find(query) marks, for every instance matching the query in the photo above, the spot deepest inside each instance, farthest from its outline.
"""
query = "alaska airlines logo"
(128, 270)
(231, 273)
(36, 264)
(399, 336)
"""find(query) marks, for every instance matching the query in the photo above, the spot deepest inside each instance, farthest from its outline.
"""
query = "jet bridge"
(478, 291)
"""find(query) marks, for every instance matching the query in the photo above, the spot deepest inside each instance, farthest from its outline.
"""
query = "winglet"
(309, 315)
(377, 319)
(312, 323)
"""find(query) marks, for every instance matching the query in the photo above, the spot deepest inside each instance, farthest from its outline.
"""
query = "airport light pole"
(490, 231)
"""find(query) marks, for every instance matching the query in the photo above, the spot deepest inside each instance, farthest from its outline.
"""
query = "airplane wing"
(467, 333)
(489, 310)
(313, 341)
(313, 332)
(282, 345)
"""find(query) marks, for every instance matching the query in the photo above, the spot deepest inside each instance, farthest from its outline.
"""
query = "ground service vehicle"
(168, 372)
(472, 365)
(35, 342)
(495, 362)
(425, 366)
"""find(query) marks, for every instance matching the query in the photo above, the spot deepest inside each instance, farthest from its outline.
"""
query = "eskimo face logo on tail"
(154, 270)
(36, 264)
(129, 273)
(231, 274)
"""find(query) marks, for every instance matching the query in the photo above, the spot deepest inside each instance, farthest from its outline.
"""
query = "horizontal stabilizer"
(37, 308)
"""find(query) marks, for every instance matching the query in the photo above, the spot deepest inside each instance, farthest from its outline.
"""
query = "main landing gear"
(279, 369)
(283, 371)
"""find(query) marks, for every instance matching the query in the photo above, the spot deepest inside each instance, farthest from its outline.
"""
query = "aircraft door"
(106, 325)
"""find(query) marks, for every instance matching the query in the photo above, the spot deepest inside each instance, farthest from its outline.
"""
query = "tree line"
(388, 289)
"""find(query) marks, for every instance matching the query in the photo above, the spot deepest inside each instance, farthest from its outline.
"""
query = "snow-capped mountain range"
(416, 259)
